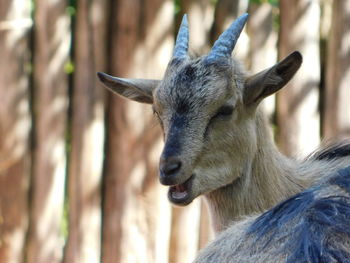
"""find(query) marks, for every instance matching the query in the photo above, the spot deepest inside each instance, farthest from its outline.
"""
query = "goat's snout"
(168, 168)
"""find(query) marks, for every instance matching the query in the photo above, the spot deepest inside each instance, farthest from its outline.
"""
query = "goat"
(217, 140)
(312, 226)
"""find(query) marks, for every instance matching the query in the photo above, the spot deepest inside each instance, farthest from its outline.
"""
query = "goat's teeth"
(179, 195)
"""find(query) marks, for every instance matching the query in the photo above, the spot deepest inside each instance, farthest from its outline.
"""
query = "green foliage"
(71, 10)
(64, 226)
(177, 5)
(69, 67)
(32, 8)
(271, 2)
(28, 67)
(276, 21)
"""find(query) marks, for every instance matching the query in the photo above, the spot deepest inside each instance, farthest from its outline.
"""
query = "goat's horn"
(227, 40)
(181, 45)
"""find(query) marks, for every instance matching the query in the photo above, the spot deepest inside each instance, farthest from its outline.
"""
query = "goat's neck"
(270, 179)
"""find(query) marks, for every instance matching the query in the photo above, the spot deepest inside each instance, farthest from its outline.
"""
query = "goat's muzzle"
(172, 173)
(181, 194)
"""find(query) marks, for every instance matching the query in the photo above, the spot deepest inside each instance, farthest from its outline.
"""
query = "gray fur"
(235, 163)
(229, 158)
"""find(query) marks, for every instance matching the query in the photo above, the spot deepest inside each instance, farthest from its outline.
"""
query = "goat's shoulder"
(311, 226)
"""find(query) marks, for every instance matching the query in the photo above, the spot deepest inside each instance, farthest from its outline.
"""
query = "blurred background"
(78, 166)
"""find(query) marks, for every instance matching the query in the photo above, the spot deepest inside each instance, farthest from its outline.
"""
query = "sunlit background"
(78, 166)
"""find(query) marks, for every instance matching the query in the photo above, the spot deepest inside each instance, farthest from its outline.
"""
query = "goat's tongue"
(180, 188)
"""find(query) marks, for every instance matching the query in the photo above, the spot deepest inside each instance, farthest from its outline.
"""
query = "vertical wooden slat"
(206, 233)
(15, 25)
(136, 212)
(200, 16)
(226, 11)
(51, 49)
(337, 92)
(297, 103)
(263, 38)
(263, 44)
(185, 233)
(85, 166)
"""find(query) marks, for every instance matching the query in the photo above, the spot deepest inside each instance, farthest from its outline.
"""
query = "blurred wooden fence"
(78, 166)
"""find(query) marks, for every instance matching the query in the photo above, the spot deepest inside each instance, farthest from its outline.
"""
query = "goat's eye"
(226, 110)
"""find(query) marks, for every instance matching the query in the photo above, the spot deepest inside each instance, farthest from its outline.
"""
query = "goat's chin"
(182, 194)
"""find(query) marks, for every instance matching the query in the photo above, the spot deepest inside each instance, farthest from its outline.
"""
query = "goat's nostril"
(172, 168)
(169, 167)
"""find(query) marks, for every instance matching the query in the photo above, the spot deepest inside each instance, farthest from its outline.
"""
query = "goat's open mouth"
(181, 194)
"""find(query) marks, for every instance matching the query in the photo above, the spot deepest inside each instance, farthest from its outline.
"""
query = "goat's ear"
(269, 81)
(135, 89)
